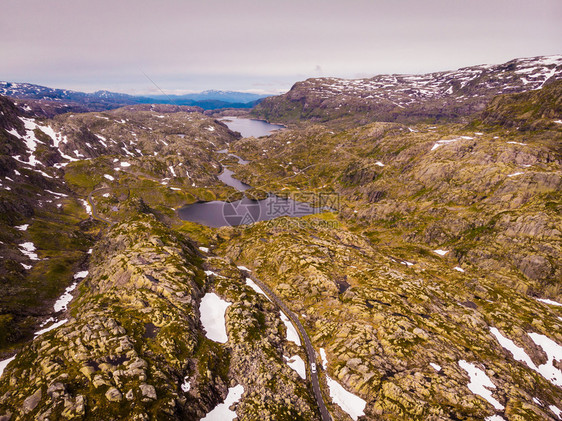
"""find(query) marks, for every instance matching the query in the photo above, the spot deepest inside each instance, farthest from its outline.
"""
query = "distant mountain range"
(212, 95)
(54, 101)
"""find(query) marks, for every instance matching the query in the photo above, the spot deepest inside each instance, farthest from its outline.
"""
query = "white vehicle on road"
(313, 367)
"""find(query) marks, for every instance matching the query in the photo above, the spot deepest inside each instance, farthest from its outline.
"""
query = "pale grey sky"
(261, 45)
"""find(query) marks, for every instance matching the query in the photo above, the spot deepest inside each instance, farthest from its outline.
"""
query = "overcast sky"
(260, 45)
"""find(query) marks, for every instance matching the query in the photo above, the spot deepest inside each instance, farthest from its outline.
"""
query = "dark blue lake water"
(249, 127)
(245, 211)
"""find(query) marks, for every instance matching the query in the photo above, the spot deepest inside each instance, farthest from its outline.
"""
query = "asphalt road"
(311, 354)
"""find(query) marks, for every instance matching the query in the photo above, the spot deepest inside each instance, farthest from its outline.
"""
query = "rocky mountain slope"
(428, 280)
(528, 110)
(442, 96)
(439, 186)
(50, 166)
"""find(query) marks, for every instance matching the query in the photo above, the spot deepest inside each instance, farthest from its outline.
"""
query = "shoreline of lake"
(244, 211)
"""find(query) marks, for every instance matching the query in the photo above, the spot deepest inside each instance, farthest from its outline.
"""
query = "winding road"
(310, 353)
(95, 213)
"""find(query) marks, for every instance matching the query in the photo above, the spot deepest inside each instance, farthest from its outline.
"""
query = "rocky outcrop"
(101, 362)
(532, 110)
(435, 97)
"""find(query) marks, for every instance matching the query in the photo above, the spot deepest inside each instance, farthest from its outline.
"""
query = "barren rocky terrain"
(428, 280)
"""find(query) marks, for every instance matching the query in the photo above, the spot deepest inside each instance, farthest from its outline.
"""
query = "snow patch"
(297, 364)
(65, 299)
(554, 353)
(292, 334)
(210, 272)
(480, 384)
(4, 364)
(28, 249)
(447, 141)
(57, 138)
(86, 206)
(109, 177)
(555, 410)
(547, 301)
(56, 194)
(186, 385)
(43, 173)
(436, 367)
(222, 411)
(22, 227)
(204, 249)
(255, 287)
(441, 252)
(102, 140)
(347, 401)
(518, 353)
(124, 164)
(458, 268)
(53, 326)
(324, 358)
(212, 310)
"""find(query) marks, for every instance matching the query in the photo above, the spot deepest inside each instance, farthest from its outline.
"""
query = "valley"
(389, 249)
